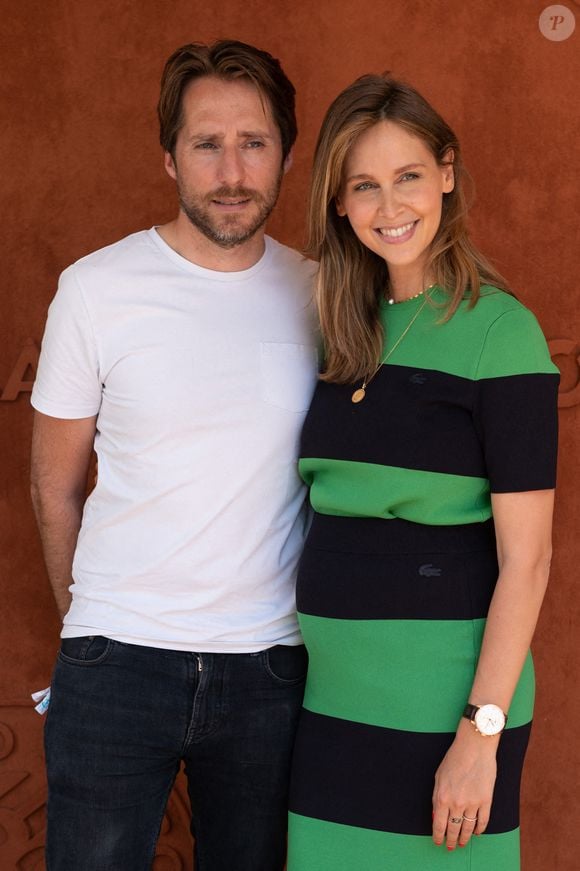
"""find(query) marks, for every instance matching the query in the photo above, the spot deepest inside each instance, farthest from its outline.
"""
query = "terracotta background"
(81, 167)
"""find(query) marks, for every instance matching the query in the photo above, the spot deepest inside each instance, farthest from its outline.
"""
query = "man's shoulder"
(285, 257)
(124, 254)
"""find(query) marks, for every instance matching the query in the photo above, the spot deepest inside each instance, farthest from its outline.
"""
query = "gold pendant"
(358, 395)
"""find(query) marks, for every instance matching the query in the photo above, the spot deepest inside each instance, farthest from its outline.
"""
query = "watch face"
(489, 720)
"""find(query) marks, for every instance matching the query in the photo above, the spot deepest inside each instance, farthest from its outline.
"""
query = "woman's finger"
(482, 819)
(454, 823)
(470, 819)
(440, 816)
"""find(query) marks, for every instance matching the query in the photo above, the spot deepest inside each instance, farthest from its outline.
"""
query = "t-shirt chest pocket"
(288, 374)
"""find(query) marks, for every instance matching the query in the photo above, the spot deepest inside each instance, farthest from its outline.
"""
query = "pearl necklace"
(392, 301)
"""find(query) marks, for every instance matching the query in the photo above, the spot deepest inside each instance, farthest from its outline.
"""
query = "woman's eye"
(409, 176)
(365, 186)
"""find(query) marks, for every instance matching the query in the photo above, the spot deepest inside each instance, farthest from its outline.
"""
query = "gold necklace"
(360, 393)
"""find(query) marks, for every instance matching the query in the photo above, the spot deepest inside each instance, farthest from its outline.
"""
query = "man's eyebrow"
(206, 137)
(242, 134)
(258, 134)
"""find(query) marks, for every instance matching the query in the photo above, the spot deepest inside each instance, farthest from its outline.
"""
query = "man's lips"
(231, 204)
(222, 202)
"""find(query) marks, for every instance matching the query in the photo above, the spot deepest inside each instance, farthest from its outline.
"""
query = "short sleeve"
(516, 405)
(67, 383)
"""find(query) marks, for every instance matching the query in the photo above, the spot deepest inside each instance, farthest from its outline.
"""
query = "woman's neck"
(405, 284)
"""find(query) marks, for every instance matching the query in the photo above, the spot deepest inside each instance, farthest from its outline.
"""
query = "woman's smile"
(397, 235)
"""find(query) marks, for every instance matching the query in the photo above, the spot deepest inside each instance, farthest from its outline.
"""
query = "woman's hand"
(464, 785)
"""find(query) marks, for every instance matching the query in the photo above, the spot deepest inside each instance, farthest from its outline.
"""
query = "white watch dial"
(489, 720)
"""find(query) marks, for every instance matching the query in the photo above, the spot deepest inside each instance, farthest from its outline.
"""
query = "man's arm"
(61, 453)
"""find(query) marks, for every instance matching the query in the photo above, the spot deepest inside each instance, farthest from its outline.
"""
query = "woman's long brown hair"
(351, 278)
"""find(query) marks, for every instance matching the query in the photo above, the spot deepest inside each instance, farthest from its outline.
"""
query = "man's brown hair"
(227, 59)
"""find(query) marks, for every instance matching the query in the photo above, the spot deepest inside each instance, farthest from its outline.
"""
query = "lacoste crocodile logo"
(428, 570)
(418, 378)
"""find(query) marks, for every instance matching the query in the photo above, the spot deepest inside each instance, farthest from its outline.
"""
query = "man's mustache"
(239, 193)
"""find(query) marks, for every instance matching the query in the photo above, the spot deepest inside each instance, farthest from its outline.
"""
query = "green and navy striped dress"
(397, 576)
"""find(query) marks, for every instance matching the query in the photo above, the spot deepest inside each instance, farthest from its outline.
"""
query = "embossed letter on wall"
(23, 372)
(566, 355)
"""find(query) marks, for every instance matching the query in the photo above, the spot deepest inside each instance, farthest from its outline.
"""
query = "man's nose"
(231, 167)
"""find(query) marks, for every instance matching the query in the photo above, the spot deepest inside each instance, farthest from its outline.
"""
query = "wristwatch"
(487, 719)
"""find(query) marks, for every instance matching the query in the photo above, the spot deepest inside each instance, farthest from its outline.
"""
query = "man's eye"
(254, 143)
(206, 146)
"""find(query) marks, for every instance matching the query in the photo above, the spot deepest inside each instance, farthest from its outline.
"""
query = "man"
(186, 355)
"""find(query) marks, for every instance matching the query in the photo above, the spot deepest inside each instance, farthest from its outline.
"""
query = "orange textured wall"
(81, 167)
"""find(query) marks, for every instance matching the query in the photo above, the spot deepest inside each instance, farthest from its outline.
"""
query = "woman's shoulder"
(494, 302)
(512, 337)
(496, 308)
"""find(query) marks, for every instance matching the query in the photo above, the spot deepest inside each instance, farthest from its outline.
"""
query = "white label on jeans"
(43, 699)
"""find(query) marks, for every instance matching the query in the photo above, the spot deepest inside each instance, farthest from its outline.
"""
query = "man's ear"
(288, 161)
(448, 171)
(169, 165)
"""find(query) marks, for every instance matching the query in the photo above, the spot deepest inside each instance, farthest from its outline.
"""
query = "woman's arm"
(465, 779)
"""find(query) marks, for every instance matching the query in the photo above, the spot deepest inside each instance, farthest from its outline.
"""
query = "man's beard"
(229, 230)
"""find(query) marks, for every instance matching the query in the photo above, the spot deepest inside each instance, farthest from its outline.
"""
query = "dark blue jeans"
(121, 720)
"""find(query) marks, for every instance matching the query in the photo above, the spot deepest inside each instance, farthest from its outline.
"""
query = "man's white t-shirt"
(200, 381)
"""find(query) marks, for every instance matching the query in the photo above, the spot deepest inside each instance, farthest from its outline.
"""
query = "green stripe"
(414, 675)
(349, 489)
(317, 845)
(496, 338)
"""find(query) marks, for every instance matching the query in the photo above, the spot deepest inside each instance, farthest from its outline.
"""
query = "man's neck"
(188, 242)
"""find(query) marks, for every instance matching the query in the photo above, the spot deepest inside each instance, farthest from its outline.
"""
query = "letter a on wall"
(26, 365)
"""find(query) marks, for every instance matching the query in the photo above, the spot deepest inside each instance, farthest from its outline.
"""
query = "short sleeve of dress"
(67, 382)
(515, 410)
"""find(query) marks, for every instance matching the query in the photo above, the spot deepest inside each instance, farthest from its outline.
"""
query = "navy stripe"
(424, 419)
(366, 568)
(381, 536)
(382, 779)
(517, 421)
(375, 587)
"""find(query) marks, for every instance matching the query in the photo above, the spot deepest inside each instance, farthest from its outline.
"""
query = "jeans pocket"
(85, 650)
(287, 665)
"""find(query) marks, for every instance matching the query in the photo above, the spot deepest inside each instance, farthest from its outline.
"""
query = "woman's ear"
(448, 171)
(340, 210)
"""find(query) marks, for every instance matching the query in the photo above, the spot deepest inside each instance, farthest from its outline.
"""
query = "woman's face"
(392, 194)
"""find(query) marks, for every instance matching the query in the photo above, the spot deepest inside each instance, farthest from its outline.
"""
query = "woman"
(430, 452)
